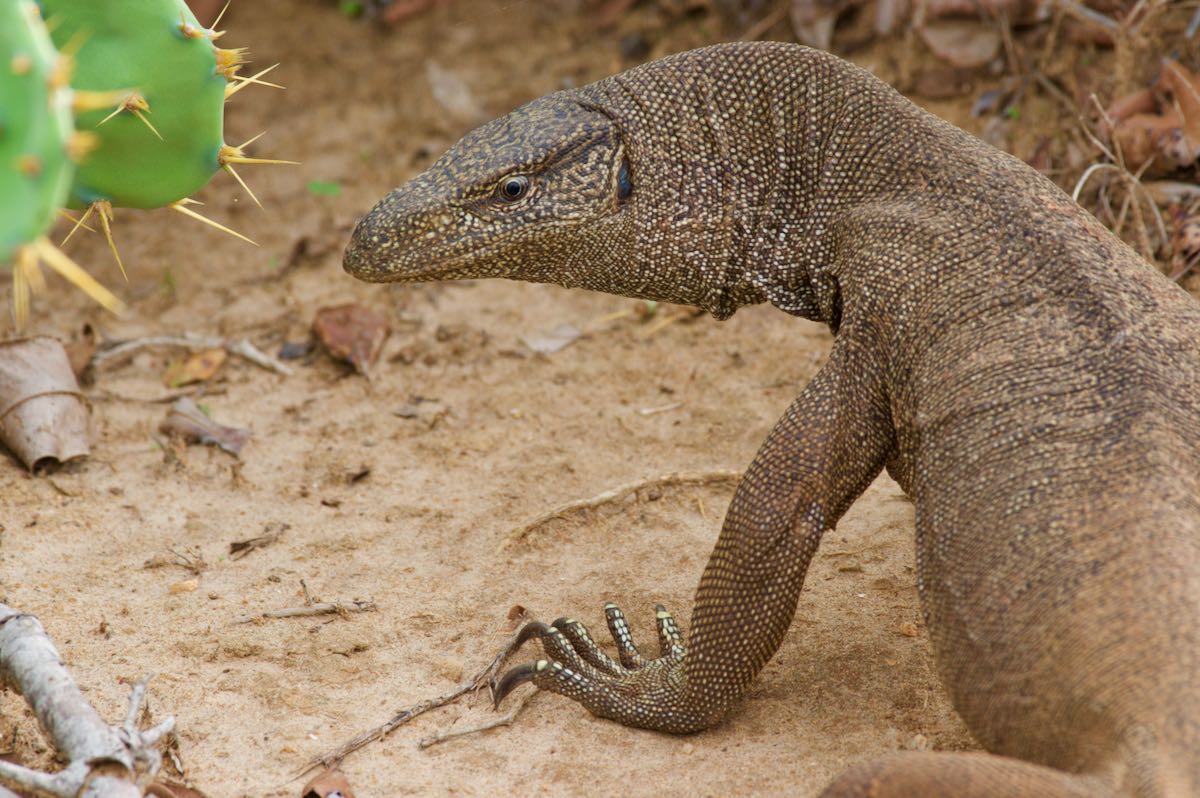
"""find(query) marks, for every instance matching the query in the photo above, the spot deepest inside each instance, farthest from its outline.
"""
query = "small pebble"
(635, 46)
(918, 742)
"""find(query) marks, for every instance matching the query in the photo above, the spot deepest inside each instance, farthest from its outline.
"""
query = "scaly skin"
(1030, 382)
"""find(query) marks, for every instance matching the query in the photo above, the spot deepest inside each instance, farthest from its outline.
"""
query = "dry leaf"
(1185, 88)
(1185, 240)
(1165, 192)
(1139, 102)
(166, 788)
(196, 367)
(1149, 137)
(271, 533)
(187, 420)
(611, 11)
(1019, 12)
(942, 83)
(552, 342)
(186, 586)
(400, 10)
(1169, 140)
(43, 416)
(888, 16)
(353, 333)
(813, 21)
(963, 44)
(80, 351)
(452, 93)
(328, 784)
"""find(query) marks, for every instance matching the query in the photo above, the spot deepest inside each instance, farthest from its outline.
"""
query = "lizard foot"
(635, 690)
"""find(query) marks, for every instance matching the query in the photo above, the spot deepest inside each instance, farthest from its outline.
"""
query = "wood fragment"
(755, 31)
(104, 761)
(272, 532)
(486, 676)
(1088, 16)
(240, 347)
(494, 723)
(316, 608)
(652, 411)
(618, 493)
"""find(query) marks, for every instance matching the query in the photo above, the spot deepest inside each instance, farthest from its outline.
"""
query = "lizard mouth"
(375, 261)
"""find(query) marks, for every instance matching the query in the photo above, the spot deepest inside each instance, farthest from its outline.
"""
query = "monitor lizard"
(1028, 380)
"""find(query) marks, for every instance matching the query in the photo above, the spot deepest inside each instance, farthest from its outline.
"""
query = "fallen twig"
(494, 723)
(104, 761)
(765, 24)
(1084, 14)
(316, 608)
(105, 395)
(272, 532)
(484, 677)
(617, 494)
(240, 347)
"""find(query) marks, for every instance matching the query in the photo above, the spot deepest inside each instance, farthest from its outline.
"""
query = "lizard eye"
(513, 188)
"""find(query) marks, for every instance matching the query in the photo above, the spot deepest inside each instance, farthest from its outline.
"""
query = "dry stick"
(1131, 181)
(241, 347)
(485, 676)
(619, 493)
(104, 762)
(494, 723)
(1085, 14)
(316, 608)
(766, 23)
(1133, 186)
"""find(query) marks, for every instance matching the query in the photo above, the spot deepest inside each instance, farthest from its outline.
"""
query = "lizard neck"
(740, 170)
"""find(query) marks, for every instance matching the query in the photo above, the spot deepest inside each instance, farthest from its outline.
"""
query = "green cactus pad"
(158, 49)
(35, 128)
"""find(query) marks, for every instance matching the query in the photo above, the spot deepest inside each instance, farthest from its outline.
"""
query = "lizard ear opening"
(624, 181)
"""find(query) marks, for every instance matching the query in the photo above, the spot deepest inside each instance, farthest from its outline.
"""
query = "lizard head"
(527, 196)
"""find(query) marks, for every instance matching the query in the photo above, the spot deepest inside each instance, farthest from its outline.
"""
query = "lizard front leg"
(828, 447)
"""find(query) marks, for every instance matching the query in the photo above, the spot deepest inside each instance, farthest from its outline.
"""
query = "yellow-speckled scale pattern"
(1028, 380)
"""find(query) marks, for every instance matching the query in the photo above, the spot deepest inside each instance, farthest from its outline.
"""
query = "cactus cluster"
(121, 104)
(38, 151)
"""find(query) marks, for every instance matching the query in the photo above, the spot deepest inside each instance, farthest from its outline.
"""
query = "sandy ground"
(507, 435)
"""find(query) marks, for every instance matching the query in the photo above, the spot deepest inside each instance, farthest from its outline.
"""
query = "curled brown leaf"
(44, 419)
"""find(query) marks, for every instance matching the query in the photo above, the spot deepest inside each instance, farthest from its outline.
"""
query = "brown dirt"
(510, 434)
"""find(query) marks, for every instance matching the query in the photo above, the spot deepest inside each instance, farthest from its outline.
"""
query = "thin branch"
(483, 677)
(1085, 14)
(617, 494)
(317, 608)
(240, 347)
(766, 23)
(494, 723)
(104, 762)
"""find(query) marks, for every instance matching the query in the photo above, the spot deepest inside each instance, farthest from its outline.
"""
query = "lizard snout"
(367, 253)
(404, 238)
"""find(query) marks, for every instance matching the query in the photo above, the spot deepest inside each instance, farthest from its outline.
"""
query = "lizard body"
(1027, 379)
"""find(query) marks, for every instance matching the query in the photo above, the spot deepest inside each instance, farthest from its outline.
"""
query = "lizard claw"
(636, 690)
(514, 678)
